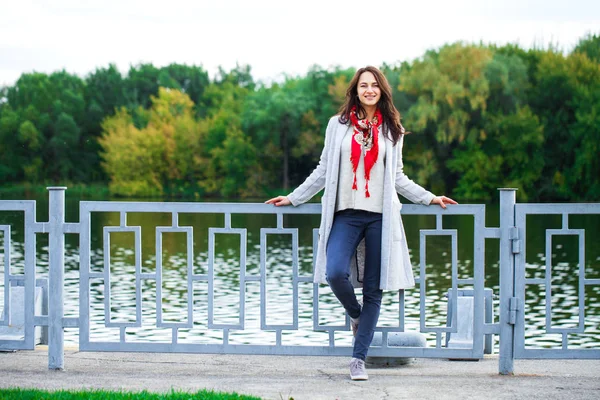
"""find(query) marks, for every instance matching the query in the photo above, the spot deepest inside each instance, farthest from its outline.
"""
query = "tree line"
(482, 117)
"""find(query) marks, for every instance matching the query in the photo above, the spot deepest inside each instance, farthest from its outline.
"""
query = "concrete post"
(56, 239)
(507, 280)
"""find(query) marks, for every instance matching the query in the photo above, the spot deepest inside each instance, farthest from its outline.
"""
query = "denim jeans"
(349, 228)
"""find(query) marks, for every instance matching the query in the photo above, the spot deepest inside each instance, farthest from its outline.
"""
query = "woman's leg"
(371, 293)
(346, 232)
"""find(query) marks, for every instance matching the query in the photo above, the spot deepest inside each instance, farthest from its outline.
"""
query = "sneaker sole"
(359, 377)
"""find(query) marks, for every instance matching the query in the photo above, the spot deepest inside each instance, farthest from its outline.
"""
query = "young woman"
(361, 237)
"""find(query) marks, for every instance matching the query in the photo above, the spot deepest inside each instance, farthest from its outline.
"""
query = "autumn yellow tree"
(155, 159)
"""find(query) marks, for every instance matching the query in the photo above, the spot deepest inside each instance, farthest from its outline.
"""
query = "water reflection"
(564, 308)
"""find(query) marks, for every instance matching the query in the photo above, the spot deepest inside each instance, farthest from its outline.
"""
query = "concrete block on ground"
(463, 338)
(396, 339)
(16, 329)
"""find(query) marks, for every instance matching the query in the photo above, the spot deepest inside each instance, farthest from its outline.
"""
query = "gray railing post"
(507, 280)
(56, 248)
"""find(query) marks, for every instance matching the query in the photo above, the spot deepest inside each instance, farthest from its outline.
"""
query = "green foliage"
(483, 117)
(449, 92)
(564, 87)
(509, 154)
(590, 46)
(40, 129)
(230, 156)
(144, 162)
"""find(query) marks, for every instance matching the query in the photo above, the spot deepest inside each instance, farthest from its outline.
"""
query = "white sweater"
(356, 199)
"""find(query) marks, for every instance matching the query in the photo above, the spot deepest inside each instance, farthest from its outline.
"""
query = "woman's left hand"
(442, 201)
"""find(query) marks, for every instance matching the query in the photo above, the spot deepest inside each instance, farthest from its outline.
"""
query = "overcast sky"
(275, 37)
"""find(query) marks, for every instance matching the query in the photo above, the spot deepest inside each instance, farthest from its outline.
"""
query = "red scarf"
(365, 136)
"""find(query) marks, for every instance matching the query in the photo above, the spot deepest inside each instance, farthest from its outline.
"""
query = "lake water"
(565, 310)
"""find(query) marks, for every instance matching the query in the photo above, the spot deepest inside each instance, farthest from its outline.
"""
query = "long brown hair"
(391, 116)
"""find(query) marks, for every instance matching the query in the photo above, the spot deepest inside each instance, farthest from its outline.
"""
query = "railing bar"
(492, 233)
(211, 276)
(216, 326)
(71, 227)
(581, 279)
(401, 309)
(491, 329)
(535, 281)
(200, 208)
(70, 322)
(548, 280)
(243, 251)
(158, 268)
(295, 268)
(422, 279)
(190, 274)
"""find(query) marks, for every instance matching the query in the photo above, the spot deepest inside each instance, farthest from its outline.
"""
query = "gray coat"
(396, 269)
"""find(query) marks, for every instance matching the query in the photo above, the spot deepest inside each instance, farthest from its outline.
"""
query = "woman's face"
(368, 89)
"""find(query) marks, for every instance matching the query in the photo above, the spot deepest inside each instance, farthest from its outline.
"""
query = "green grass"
(28, 394)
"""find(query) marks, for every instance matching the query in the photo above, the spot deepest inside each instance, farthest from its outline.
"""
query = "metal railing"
(509, 328)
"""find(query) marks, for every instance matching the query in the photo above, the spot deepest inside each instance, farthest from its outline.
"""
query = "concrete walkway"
(284, 378)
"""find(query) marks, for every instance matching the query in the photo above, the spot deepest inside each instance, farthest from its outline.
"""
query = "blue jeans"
(349, 228)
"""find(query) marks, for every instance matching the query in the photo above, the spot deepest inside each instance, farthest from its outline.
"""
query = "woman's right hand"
(279, 201)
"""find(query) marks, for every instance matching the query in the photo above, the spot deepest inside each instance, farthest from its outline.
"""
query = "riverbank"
(28, 191)
(281, 377)
(100, 191)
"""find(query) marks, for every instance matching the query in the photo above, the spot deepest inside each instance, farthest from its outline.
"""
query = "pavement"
(297, 378)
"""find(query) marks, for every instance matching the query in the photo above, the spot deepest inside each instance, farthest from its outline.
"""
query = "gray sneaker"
(357, 370)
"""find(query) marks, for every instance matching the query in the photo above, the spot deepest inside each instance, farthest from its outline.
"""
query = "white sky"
(274, 37)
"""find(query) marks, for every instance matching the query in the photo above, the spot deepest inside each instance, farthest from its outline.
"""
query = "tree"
(40, 129)
(232, 167)
(273, 117)
(590, 46)
(448, 91)
(154, 160)
(510, 155)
